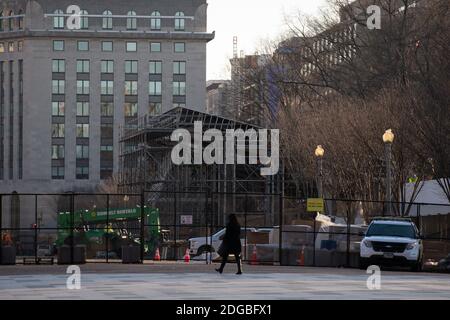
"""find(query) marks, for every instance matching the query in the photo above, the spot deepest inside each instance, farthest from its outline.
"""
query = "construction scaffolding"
(146, 165)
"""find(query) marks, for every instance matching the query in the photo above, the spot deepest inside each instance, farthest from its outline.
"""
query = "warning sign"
(315, 205)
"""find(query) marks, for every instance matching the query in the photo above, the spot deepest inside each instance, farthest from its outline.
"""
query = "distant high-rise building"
(252, 93)
(218, 98)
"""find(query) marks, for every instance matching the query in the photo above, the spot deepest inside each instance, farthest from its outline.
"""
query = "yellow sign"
(315, 205)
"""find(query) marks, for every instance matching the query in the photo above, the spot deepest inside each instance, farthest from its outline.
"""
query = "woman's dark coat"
(231, 243)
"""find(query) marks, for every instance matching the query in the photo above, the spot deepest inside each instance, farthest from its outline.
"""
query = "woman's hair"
(232, 219)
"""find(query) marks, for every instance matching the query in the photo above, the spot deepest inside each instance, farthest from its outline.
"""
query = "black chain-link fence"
(178, 226)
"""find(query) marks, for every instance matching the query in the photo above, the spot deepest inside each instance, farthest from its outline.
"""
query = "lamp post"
(388, 139)
(319, 155)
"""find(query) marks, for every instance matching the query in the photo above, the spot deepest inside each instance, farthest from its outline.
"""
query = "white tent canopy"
(431, 193)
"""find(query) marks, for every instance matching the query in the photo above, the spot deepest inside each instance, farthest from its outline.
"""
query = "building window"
(131, 22)
(83, 45)
(20, 20)
(131, 88)
(155, 23)
(59, 65)
(155, 47)
(179, 88)
(58, 45)
(155, 88)
(106, 148)
(57, 173)
(131, 66)
(179, 67)
(10, 46)
(84, 21)
(107, 87)
(155, 108)
(82, 152)
(58, 21)
(20, 46)
(58, 130)
(179, 22)
(82, 86)
(107, 131)
(179, 47)
(82, 173)
(82, 130)
(58, 109)
(179, 105)
(131, 46)
(107, 46)
(83, 66)
(11, 21)
(107, 23)
(155, 67)
(107, 109)
(57, 152)
(2, 47)
(82, 109)
(107, 66)
(130, 109)
(58, 86)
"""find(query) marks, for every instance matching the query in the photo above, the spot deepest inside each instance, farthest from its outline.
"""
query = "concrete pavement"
(161, 281)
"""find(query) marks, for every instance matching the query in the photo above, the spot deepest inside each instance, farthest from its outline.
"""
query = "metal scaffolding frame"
(146, 164)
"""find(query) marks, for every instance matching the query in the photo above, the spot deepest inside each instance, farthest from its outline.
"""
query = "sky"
(253, 22)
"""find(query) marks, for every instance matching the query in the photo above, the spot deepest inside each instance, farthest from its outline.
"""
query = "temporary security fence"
(189, 226)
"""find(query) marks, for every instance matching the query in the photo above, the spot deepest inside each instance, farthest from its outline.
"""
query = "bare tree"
(341, 85)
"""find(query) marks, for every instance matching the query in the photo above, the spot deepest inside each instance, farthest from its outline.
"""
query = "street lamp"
(388, 139)
(319, 155)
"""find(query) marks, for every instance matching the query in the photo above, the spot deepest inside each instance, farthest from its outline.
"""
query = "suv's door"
(217, 239)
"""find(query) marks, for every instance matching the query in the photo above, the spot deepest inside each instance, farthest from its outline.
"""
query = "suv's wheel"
(203, 249)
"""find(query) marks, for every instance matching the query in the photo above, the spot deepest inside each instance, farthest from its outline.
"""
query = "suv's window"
(219, 233)
(391, 230)
(243, 233)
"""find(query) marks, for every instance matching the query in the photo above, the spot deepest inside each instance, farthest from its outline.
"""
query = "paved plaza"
(198, 281)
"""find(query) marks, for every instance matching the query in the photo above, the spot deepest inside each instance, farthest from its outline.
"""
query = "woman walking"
(231, 244)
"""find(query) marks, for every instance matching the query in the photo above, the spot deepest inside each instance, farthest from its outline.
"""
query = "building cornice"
(102, 34)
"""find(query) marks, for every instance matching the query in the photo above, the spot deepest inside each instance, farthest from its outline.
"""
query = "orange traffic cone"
(187, 256)
(157, 255)
(254, 260)
(301, 260)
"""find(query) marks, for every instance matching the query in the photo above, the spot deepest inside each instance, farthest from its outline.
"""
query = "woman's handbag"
(222, 251)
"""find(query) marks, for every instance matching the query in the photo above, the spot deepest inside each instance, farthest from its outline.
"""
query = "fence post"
(107, 228)
(419, 224)
(1, 229)
(72, 225)
(280, 235)
(347, 261)
(314, 241)
(245, 227)
(207, 193)
(35, 229)
(175, 225)
(142, 225)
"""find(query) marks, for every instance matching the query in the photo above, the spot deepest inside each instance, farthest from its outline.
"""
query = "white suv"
(391, 241)
(200, 245)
